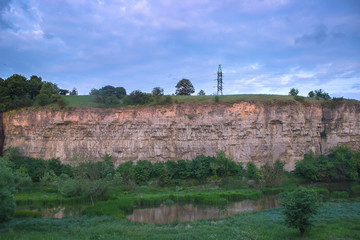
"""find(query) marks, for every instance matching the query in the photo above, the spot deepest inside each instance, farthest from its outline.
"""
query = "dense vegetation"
(340, 164)
(204, 180)
(17, 91)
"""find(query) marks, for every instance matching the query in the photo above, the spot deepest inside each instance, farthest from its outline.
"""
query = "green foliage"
(143, 170)
(74, 92)
(339, 194)
(108, 94)
(319, 94)
(35, 168)
(201, 93)
(217, 99)
(201, 167)
(92, 179)
(341, 164)
(158, 91)
(273, 173)
(184, 87)
(299, 98)
(356, 190)
(334, 221)
(311, 94)
(299, 206)
(49, 89)
(59, 100)
(293, 92)
(42, 99)
(138, 97)
(252, 171)
(127, 172)
(10, 182)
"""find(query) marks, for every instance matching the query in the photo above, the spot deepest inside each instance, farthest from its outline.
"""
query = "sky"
(263, 46)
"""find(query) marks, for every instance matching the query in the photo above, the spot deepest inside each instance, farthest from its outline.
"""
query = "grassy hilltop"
(89, 100)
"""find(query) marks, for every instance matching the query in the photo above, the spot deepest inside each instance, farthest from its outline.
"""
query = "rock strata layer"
(257, 132)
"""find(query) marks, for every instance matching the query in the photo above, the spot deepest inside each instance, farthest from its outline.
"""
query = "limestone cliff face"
(257, 132)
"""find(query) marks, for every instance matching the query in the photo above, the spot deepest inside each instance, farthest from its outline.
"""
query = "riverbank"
(334, 221)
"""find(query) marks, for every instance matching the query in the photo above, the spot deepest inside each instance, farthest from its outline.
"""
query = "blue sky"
(264, 46)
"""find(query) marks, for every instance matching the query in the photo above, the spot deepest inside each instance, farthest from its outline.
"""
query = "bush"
(341, 164)
(299, 98)
(143, 170)
(273, 173)
(307, 167)
(299, 206)
(127, 172)
(10, 182)
(252, 171)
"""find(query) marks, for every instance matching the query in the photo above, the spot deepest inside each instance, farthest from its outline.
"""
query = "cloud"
(318, 36)
(356, 86)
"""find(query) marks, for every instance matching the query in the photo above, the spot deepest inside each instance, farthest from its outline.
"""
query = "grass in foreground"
(335, 221)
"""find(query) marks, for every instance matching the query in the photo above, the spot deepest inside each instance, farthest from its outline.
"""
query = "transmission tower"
(219, 81)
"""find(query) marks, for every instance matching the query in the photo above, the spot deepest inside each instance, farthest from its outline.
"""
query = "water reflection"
(189, 212)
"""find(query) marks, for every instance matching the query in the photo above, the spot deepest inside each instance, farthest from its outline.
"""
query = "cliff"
(257, 132)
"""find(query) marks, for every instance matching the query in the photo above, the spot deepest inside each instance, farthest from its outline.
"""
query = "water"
(189, 212)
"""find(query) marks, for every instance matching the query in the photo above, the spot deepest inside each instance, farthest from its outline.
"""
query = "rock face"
(258, 132)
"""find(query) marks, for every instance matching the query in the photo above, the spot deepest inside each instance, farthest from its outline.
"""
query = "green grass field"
(334, 221)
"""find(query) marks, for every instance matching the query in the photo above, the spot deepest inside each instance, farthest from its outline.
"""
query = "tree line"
(17, 91)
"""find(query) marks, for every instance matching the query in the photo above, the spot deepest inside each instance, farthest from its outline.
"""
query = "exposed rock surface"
(257, 132)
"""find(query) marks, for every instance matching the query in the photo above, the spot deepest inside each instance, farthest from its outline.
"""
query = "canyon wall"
(257, 132)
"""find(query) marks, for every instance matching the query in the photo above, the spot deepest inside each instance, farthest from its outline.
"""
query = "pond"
(189, 212)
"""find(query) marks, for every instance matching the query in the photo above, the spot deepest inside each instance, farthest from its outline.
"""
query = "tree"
(108, 94)
(157, 91)
(10, 182)
(299, 206)
(201, 93)
(63, 91)
(42, 99)
(322, 94)
(311, 94)
(74, 92)
(138, 97)
(184, 87)
(49, 89)
(319, 94)
(293, 92)
(34, 86)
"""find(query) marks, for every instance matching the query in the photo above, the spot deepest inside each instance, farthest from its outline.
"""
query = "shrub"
(273, 173)
(299, 98)
(252, 171)
(341, 164)
(307, 168)
(127, 172)
(10, 182)
(299, 206)
(143, 170)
